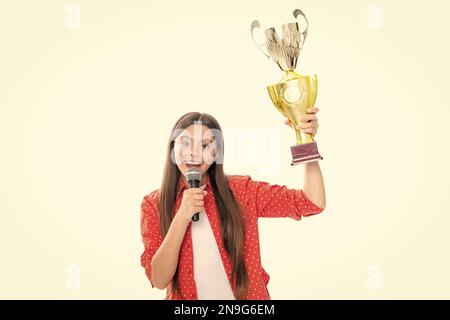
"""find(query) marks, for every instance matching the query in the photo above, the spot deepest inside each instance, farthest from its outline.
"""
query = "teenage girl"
(218, 256)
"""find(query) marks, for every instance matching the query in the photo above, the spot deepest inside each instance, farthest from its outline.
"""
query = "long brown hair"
(232, 225)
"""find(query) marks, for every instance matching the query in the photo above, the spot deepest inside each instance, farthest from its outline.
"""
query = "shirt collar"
(182, 184)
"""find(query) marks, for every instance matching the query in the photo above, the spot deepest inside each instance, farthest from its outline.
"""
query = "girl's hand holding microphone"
(191, 203)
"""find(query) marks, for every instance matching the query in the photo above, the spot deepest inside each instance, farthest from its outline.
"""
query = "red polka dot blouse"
(257, 199)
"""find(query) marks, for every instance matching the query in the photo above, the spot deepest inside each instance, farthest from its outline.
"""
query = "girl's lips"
(191, 165)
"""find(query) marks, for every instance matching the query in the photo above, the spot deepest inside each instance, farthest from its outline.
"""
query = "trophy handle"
(296, 13)
(253, 26)
(313, 84)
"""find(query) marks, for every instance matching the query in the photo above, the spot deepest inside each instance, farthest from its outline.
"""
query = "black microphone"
(193, 178)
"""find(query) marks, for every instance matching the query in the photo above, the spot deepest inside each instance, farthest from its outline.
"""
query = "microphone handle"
(194, 184)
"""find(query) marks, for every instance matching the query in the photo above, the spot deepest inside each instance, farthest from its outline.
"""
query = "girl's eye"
(205, 146)
(185, 144)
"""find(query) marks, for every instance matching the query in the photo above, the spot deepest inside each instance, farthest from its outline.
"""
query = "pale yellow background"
(86, 110)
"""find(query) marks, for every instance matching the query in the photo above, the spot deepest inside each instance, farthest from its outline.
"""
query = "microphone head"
(193, 174)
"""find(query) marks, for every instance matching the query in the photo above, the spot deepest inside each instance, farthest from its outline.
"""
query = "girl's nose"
(196, 153)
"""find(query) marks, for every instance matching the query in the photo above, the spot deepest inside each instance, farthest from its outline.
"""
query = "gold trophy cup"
(294, 93)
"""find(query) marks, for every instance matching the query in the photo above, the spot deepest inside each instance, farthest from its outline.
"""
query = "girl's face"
(195, 146)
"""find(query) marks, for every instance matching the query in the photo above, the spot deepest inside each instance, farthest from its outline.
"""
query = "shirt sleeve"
(277, 201)
(151, 237)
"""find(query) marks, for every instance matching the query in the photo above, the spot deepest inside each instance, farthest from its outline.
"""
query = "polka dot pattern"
(257, 199)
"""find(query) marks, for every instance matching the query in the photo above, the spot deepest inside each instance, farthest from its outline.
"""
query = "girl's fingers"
(198, 203)
(307, 117)
(312, 132)
(312, 124)
(195, 190)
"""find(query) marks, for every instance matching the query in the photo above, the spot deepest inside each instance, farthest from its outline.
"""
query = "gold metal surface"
(293, 94)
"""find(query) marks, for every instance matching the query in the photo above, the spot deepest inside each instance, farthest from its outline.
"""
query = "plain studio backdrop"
(89, 91)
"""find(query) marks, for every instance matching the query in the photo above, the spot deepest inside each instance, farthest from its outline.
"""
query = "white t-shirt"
(209, 273)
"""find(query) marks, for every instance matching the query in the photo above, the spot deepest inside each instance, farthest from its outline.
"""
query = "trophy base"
(304, 153)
